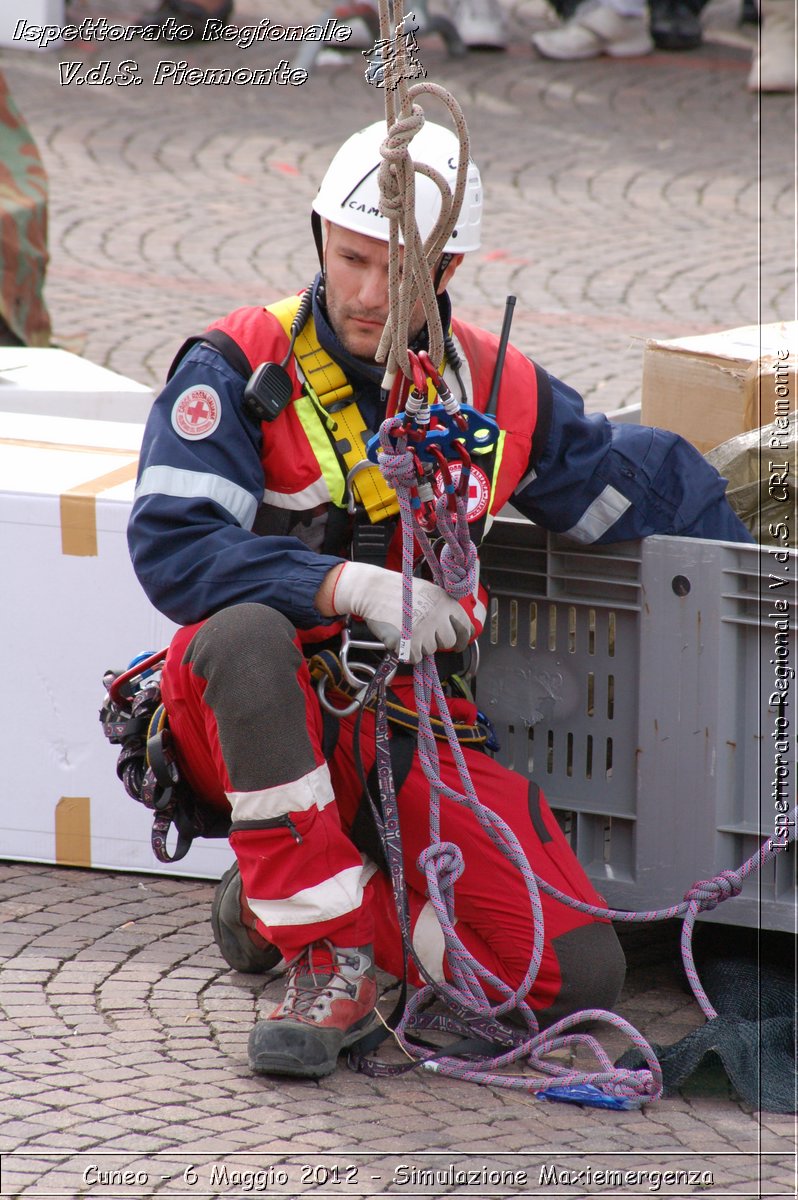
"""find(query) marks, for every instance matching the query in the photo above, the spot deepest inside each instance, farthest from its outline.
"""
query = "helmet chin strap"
(443, 266)
(315, 225)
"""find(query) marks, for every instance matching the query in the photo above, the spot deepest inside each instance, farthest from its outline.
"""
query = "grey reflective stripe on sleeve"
(195, 485)
(600, 516)
(530, 477)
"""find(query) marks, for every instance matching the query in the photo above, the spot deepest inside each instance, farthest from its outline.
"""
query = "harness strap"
(228, 348)
(328, 387)
(319, 371)
(327, 664)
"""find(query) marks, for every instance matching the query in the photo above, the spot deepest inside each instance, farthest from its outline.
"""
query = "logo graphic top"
(478, 489)
(196, 412)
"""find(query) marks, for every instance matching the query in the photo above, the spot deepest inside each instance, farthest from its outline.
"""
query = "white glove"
(375, 595)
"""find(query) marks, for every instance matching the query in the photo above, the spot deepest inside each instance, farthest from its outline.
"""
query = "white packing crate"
(72, 608)
(63, 384)
(29, 13)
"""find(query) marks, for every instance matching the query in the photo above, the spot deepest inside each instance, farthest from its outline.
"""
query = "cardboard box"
(713, 387)
(72, 608)
(57, 382)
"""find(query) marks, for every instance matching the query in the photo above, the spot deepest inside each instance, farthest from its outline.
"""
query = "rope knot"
(396, 161)
(709, 893)
(396, 466)
(458, 564)
(446, 860)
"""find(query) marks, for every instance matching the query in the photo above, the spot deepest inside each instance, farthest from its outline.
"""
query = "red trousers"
(250, 739)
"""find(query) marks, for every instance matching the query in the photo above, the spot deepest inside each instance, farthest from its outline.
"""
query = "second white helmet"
(349, 194)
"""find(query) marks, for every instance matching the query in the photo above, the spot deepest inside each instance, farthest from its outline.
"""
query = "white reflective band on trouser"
(333, 898)
(315, 493)
(195, 485)
(601, 515)
(313, 790)
(428, 942)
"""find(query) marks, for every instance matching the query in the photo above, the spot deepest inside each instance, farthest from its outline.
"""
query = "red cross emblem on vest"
(478, 496)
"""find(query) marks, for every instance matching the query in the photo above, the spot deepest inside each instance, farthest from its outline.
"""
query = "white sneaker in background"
(480, 23)
(774, 68)
(595, 29)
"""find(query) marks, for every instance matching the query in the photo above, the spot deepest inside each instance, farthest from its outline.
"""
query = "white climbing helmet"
(349, 194)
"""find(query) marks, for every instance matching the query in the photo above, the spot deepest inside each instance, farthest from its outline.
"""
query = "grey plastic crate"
(632, 683)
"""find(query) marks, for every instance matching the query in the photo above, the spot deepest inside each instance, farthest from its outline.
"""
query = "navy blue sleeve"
(596, 481)
(190, 530)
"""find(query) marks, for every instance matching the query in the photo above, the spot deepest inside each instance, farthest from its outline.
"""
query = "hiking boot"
(329, 1003)
(595, 29)
(235, 931)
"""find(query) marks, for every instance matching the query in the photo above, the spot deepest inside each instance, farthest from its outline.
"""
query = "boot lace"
(311, 981)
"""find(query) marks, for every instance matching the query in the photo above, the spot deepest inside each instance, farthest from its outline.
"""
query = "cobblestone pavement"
(124, 1048)
(625, 200)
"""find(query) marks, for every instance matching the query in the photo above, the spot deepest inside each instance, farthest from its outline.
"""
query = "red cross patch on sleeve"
(196, 412)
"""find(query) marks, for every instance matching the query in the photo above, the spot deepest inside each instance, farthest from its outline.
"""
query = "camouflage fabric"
(23, 231)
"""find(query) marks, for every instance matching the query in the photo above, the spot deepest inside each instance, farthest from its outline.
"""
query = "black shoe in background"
(183, 12)
(674, 24)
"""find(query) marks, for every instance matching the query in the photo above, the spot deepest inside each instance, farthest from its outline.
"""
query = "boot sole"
(279, 1065)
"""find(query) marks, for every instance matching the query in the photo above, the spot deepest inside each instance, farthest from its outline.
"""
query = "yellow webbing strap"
(324, 376)
(328, 385)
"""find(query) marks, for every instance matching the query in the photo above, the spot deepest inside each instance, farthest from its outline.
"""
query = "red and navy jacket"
(227, 510)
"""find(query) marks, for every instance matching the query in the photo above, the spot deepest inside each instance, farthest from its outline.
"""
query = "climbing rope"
(403, 440)
(410, 270)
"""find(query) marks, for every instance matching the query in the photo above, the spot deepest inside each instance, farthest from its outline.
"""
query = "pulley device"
(435, 435)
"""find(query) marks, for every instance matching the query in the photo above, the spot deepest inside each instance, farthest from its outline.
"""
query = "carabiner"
(449, 486)
(351, 505)
(137, 668)
(465, 468)
(419, 373)
(445, 394)
(358, 675)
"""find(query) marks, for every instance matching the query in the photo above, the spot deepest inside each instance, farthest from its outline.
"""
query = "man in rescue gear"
(240, 533)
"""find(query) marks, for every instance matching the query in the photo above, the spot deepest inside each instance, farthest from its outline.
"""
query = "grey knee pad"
(247, 656)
